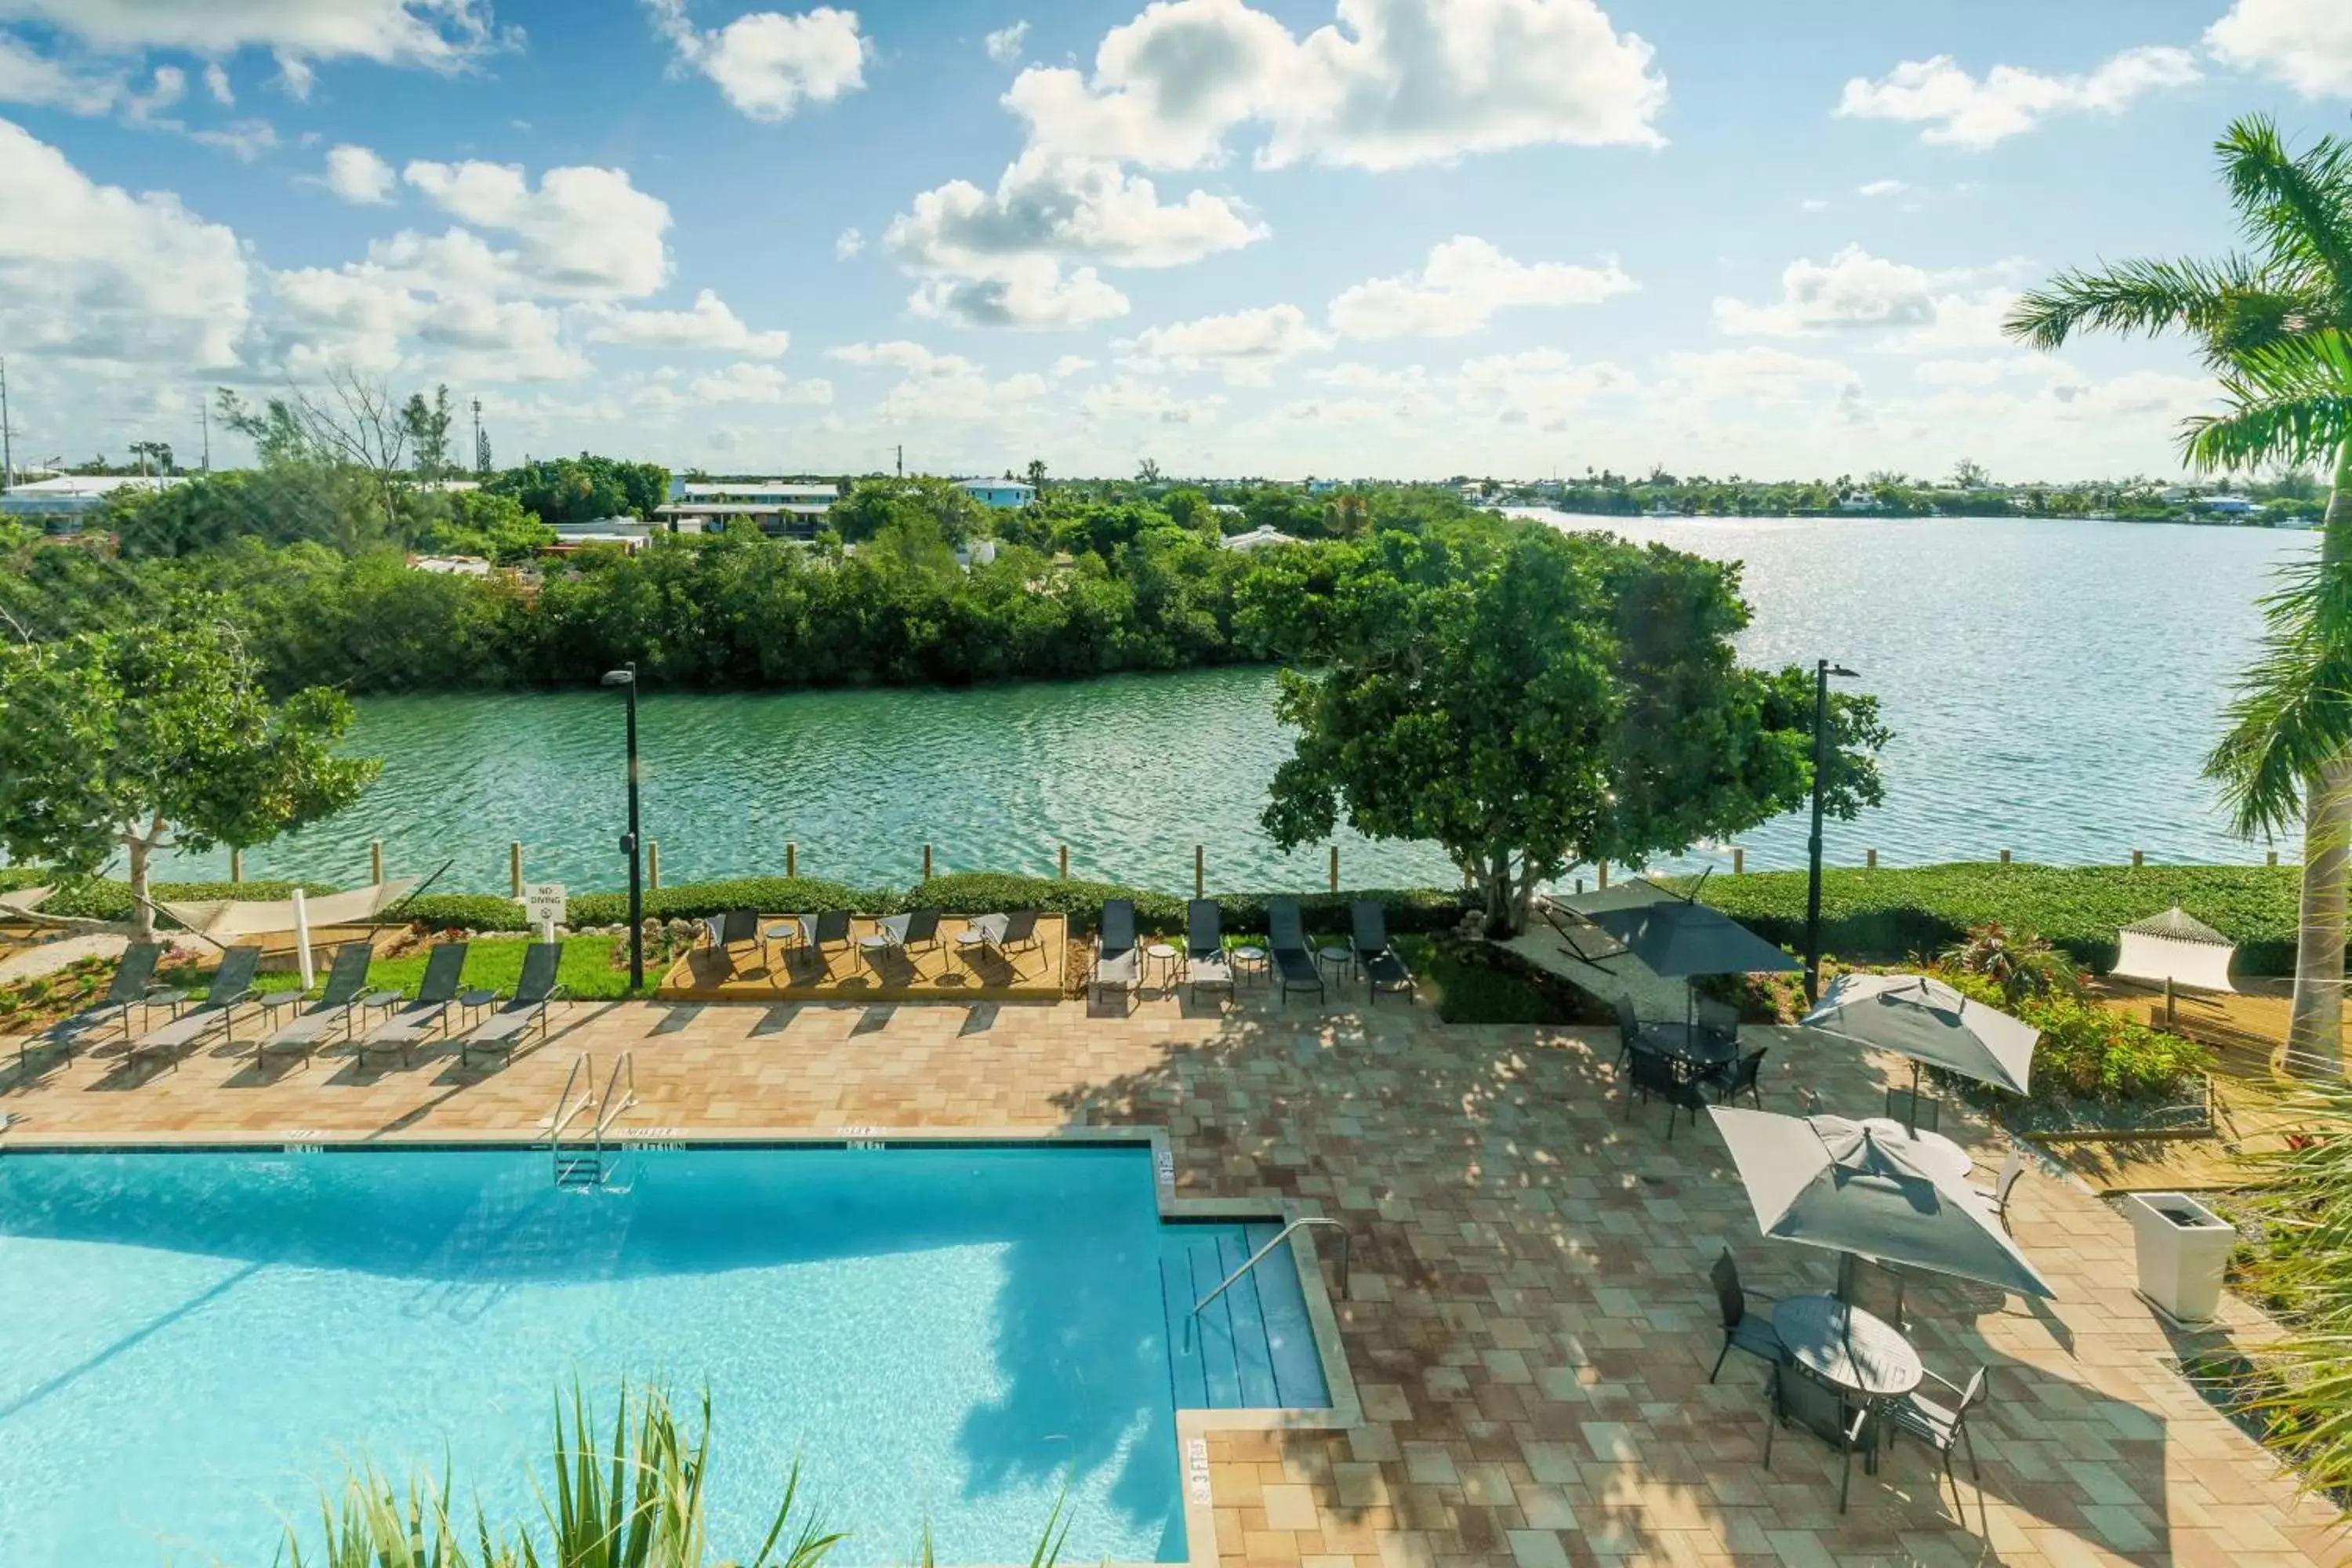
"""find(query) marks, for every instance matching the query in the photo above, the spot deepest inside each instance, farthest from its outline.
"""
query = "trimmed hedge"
(977, 892)
(693, 900)
(1886, 915)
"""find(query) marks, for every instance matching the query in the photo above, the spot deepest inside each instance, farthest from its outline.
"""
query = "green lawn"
(492, 964)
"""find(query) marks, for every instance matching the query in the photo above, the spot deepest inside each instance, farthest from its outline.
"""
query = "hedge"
(1885, 915)
(693, 900)
(977, 892)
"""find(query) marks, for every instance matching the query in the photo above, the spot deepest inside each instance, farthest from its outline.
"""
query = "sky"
(1405, 238)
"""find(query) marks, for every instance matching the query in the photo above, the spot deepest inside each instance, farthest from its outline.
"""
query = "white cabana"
(223, 918)
(2174, 948)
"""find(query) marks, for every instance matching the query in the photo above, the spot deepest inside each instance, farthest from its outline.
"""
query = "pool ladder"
(1346, 1247)
(580, 1160)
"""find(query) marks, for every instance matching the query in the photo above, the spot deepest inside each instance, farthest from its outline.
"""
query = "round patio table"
(1847, 1347)
(1164, 956)
(1693, 1045)
(1249, 961)
(1931, 1152)
(1336, 959)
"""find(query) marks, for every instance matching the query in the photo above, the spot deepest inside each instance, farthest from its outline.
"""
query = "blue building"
(1011, 494)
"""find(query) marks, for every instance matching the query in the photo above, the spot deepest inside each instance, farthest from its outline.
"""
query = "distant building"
(1258, 539)
(1858, 501)
(777, 506)
(630, 534)
(450, 565)
(60, 504)
(1011, 495)
(2232, 506)
(1322, 487)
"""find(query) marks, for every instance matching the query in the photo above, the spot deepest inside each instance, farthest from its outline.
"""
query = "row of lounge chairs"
(817, 936)
(337, 1011)
(1119, 958)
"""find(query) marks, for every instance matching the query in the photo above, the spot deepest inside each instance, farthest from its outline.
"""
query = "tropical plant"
(2271, 321)
(2020, 962)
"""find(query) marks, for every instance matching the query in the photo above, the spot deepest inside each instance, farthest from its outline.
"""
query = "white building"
(62, 503)
(1258, 539)
(631, 533)
(777, 506)
(1010, 495)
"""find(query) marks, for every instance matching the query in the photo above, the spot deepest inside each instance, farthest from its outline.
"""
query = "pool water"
(193, 1344)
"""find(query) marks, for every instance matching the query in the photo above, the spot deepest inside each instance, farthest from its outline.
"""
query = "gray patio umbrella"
(1928, 1021)
(1677, 937)
(1827, 1182)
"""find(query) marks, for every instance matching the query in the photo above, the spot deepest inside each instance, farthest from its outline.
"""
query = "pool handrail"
(610, 1110)
(1346, 1244)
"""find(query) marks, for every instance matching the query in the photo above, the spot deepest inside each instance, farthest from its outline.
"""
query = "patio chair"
(1629, 1032)
(1742, 1329)
(1903, 1104)
(535, 987)
(1294, 965)
(729, 929)
(1118, 964)
(1997, 1195)
(1944, 1428)
(899, 933)
(1795, 1395)
(1735, 1079)
(1377, 960)
(338, 999)
(1654, 1075)
(135, 977)
(1205, 964)
(435, 995)
(828, 928)
(232, 986)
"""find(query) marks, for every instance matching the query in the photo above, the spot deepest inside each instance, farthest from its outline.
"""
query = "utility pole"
(481, 444)
(203, 411)
(7, 453)
(901, 450)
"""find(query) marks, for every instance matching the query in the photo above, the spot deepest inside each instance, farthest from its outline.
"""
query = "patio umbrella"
(1827, 1182)
(1928, 1021)
(1677, 937)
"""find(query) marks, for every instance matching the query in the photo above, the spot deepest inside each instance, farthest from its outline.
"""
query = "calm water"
(942, 1336)
(2053, 686)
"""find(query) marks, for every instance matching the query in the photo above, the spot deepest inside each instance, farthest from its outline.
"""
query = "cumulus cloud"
(2306, 43)
(1960, 110)
(1075, 209)
(767, 63)
(45, 83)
(746, 383)
(706, 324)
(433, 33)
(379, 319)
(1855, 292)
(1246, 345)
(216, 84)
(1031, 292)
(1759, 374)
(583, 231)
(847, 244)
(1004, 46)
(357, 174)
(1129, 399)
(1460, 287)
(1390, 84)
(937, 386)
(1877, 188)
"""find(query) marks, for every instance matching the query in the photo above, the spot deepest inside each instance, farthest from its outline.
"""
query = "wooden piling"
(791, 860)
(514, 867)
(1738, 861)
(2004, 857)
(2138, 859)
(1064, 861)
(2271, 859)
(1600, 873)
(1335, 868)
(1200, 873)
(653, 862)
(375, 860)
(236, 864)
(1870, 860)
(927, 862)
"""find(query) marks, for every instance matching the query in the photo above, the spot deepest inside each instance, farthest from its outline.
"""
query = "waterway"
(2054, 687)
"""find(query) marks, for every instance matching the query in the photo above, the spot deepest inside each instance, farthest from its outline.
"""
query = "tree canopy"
(583, 488)
(1531, 702)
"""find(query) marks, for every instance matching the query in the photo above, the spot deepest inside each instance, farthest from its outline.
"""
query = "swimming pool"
(192, 1343)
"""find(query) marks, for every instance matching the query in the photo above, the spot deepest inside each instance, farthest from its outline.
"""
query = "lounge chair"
(435, 995)
(1377, 961)
(534, 989)
(1118, 964)
(232, 986)
(1205, 964)
(899, 933)
(830, 927)
(727, 932)
(338, 1001)
(135, 977)
(1294, 965)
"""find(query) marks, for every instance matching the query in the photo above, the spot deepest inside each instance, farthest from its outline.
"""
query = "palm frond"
(2212, 300)
(2292, 713)
(2296, 210)
(2289, 403)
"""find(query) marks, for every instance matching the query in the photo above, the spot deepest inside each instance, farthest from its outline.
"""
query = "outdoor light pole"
(1822, 670)
(626, 678)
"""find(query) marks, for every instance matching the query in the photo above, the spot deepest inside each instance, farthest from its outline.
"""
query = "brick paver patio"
(1532, 1324)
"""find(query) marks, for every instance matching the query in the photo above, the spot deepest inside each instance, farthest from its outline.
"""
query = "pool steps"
(1254, 1347)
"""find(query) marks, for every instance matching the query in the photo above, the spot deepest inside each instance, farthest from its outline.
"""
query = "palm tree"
(2265, 320)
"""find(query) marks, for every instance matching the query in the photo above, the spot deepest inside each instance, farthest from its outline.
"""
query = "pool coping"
(1193, 1427)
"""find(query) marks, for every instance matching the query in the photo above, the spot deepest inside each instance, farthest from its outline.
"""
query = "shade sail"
(1928, 1021)
(2175, 946)
(1826, 1182)
(221, 918)
(1676, 937)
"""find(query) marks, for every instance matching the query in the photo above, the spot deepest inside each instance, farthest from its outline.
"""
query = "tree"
(427, 425)
(145, 740)
(583, 488)
(1538, 702)
(1970, 475)
(1037, 475)
(1147, 472)
(356, 425)
(158, 453)
(2261, 320)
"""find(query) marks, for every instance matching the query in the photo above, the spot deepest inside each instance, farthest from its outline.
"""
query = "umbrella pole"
(1911, 1124)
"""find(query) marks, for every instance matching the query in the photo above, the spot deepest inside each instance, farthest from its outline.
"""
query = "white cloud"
(439, 33)
(583, 231)
(357, 174)
(767, 63)
(1460, 287)
(1392, 84)
(1812, 204)
(244, 140)
(746, 383)
(216, 84)
(1077, 209)
(92, 273)
(1004, 46)
(706, 324)
(1069, 365)
(31, 78)
(936, 385)
(1025, 291)
(1129, 399)
(1246, 344)
(900, 354)
(295, 76)
(1959, 110)
(1877, 188)
(1545, 388)
(1759, 373)
(1855, 291)
(2306, 43)
(848, 244)
(383, 320)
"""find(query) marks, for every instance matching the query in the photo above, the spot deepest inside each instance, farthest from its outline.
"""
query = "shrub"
(1885, 914)
(2093, 1052)
(466, 912)
(767, 895)
(977, 892)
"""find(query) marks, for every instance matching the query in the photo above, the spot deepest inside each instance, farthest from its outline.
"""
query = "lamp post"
(1822, 670)
(626, 678)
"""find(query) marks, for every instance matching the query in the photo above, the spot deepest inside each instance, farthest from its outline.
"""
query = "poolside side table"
(1165, 956)
(1338, 959)
(473, 1002)
(1251, 964)
(387, 1000)
(789, 933)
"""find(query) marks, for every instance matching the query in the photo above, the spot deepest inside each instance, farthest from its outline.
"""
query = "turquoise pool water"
(193, 1341)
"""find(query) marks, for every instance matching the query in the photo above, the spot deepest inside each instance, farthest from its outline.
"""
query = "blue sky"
(1375, 236)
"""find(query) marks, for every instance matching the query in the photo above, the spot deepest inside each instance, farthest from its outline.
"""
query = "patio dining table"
(1861, 1356)
(1698, 1047)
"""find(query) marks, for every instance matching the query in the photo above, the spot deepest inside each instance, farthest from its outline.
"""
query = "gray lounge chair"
(135, 977)
(534, 989)
(1294, 965)
(829, 928)
(338, 1003)
(899, 933)
(232, 986)
(729, 931)
(417, 1020)
(1205, 964)
(1375, 960)
(1118, 964)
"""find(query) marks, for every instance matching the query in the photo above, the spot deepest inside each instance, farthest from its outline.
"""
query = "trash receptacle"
(2183, 1248)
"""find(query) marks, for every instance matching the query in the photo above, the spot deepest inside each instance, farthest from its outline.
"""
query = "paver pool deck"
(1531, 1324)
